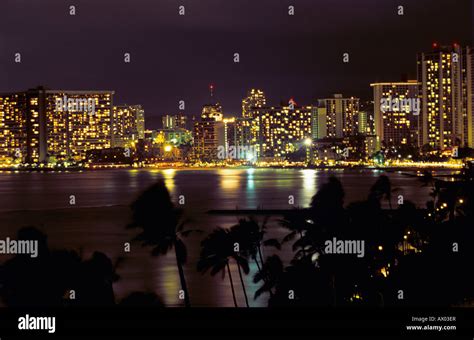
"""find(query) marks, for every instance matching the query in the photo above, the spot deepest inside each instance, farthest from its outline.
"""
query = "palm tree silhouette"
(243, 283)
(270, 274)
(216, 251)
(162, 227)
(298, 224)
(325, 217)
(249, 234)
(382, 188)
(245, 237)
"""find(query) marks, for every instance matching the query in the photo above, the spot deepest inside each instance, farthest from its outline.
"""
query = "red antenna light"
(435, 45)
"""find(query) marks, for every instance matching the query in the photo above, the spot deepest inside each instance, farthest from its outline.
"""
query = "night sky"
(176, 57)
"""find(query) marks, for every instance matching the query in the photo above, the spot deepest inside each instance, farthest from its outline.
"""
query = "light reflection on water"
(206, 189)
(103, 229)
(168, 176)
(309, 183)
(229, 179)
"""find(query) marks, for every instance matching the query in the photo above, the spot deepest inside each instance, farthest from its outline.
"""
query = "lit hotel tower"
(34, 128)
(336, 117)
(205, 131)
(128, 125)
(255, 99)
(279, 131)
(398, 125)
(445, 75)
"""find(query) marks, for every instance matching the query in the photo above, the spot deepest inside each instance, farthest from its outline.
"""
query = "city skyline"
(433, 112)
(269, 60)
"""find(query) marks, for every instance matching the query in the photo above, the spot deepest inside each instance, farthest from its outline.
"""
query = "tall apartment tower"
(177, 121)
(128, 125)
(255, 99)
(38, 125)
(206, 132)
(279, 131)
(339, 115)
(469, 98)
(445, 74)
(397, 111)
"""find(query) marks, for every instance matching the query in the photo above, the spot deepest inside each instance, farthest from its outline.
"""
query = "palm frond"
(219, 267)
(162, 248)
(243, 263)
(188, 232)
(273, 242)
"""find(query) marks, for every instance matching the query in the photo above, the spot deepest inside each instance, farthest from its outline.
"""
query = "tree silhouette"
(95, 289)
(382, 189)
(161, 227)
(28, 281)
(298, 223)
(48, 280)
(245, 238)
(216, 251)
(249, 234)
(270, 274)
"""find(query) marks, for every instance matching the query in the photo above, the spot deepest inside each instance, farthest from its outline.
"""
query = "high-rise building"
(205, 140)
(396, 112)
(446, 119)
(168, 121)
(205, 132)
(128, 125)
(243, 131)
(40, 125)
(174, 121)
(469, 97)
(362, 122)
(339, 115)
(226, 131)
(279, 131)
(255, 99)
(86, 129)
(13, 129)
(367, 109)
(319, 121)
(140, 114)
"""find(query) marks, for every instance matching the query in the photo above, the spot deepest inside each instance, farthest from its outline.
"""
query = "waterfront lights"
(251, 157)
